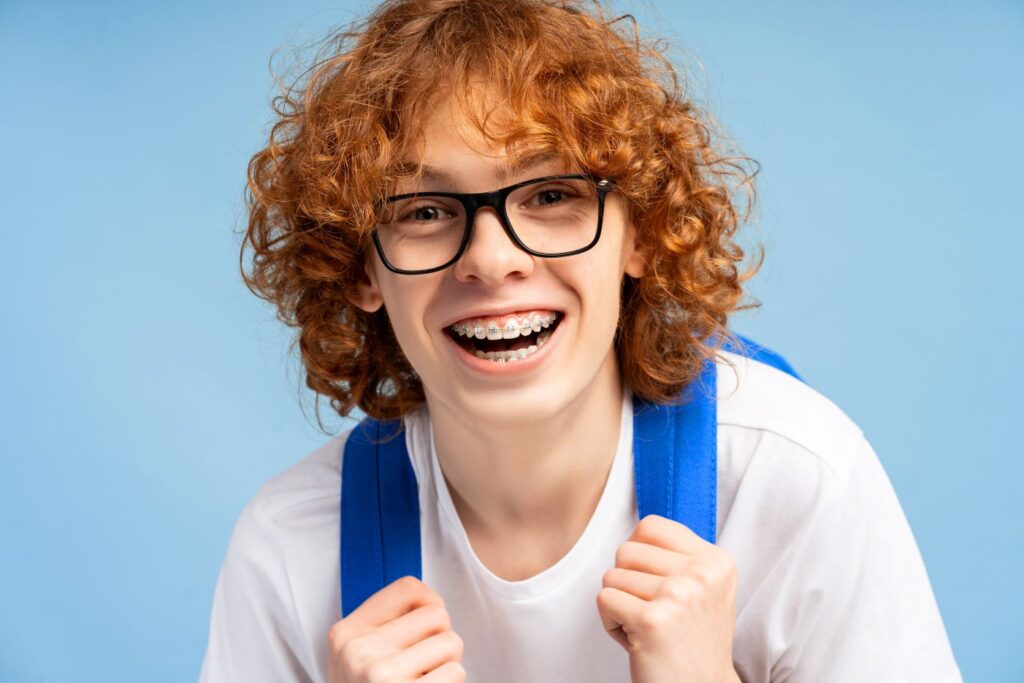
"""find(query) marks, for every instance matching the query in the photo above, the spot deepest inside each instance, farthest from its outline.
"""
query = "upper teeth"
(514, 327)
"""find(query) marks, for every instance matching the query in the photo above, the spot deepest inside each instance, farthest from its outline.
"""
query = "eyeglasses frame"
(471, 201)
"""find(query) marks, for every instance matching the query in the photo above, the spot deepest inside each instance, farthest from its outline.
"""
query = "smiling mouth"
(501, 349)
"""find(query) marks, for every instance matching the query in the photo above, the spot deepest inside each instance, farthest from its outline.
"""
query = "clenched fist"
(669, 601)
(401, 633)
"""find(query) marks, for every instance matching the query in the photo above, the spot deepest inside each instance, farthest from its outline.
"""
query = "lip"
(488, 367)
(496, 312)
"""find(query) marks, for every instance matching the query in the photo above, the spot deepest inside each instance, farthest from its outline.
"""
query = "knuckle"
(655, 617)
(409, 583)
(355, 655)
(678, 589)
(455, 642)
(727, 581)
(437, 615)
(381, 671)
(729, 567)
(649, 522)
(704, 574)
(413, 588)
(721, 571)
(453, 671)
(625, 551)
(428, 594)
(336, 635)
(608, 577)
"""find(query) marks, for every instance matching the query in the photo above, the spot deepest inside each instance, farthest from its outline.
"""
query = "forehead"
(453, 136)
(503, 171)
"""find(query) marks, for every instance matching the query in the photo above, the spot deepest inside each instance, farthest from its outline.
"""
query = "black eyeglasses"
(549, 217)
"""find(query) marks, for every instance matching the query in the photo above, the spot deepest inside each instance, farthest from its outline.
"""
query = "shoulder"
(308, 482)
(306, 495)
(277, 589)
(281, 562)
(786, 449)
(293, 512)
(823, 546)
(776, 407)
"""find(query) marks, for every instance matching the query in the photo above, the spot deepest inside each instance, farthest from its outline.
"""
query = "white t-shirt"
(831, 583)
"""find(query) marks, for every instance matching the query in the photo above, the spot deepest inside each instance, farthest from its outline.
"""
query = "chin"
(526, 404)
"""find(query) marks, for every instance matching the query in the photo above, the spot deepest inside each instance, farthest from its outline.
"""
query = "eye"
(426, 213)
(552, 195)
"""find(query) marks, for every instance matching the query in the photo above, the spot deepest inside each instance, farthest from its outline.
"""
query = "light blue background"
(147, 394)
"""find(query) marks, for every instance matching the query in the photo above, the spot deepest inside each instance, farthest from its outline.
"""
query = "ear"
(635, 264)
(367, 294)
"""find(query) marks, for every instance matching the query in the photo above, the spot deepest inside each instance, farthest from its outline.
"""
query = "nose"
(491, 256)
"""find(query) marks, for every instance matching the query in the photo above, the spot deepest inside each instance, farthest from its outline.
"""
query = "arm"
(252, 636)
(864, 606)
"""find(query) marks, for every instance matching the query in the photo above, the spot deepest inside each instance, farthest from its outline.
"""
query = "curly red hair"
(574, 82)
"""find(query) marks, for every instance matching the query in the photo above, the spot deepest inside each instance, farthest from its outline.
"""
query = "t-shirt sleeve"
(862, 604)
(252, 637)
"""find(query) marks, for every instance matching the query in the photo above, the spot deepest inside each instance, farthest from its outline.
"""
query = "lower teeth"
(513, 356)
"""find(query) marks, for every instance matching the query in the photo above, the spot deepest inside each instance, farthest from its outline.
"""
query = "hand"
(400, 633)
(669, 601)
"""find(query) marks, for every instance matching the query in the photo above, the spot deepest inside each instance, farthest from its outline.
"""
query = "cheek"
(599, 287)
(406, 303)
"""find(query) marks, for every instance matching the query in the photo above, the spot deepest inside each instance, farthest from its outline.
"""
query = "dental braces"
(513, 327)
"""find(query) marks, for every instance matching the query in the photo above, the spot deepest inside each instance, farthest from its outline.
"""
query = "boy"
(503, 224)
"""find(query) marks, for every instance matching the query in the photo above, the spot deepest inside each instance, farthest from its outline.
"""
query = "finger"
(640, 584)
(669, 534)
(449, 672)
(618, 610)
(428, 654)
(390, 602)
(414, 626)
(651, 559)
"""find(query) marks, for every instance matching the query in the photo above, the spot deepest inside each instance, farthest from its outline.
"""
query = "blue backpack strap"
(674, 456)
(675, 448)
(380, 512)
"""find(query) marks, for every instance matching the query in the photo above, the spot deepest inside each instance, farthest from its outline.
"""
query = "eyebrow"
(505, 172)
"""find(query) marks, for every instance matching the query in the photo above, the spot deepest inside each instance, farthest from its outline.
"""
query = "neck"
(526, 477)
